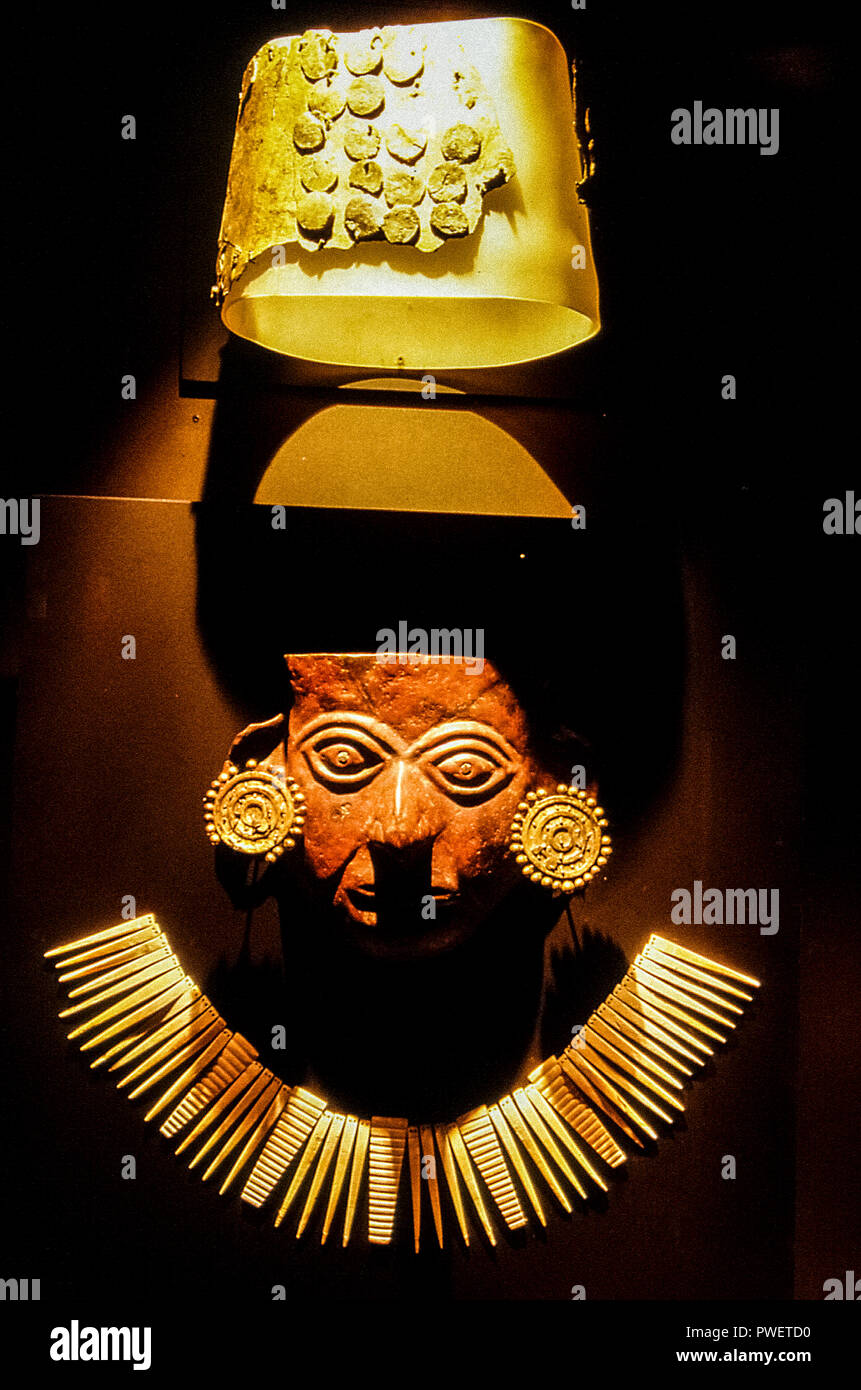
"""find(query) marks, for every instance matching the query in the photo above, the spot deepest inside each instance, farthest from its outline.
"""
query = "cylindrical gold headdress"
(407, 198)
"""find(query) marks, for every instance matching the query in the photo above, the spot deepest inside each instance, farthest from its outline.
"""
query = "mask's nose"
(406, 816)
(403, 827)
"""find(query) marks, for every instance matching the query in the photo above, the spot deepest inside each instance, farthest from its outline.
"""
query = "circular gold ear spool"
(559, 838)
(254, 811)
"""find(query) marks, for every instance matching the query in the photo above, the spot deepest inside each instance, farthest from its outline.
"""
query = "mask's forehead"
(409, 698)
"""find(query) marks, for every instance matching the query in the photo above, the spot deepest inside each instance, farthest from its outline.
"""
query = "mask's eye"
(343, 757)
(468, 770)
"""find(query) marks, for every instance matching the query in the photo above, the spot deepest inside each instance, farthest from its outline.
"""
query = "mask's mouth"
(402, 912)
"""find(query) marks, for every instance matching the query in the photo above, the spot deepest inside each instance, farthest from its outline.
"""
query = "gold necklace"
(641, 1044)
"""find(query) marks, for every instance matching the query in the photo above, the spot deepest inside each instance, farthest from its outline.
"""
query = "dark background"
(710, 260)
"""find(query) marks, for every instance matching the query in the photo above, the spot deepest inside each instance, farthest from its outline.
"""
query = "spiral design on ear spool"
(254, 811)
(559, 838)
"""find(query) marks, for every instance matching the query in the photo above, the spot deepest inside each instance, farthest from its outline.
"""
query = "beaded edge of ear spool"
(256, 811)
(559, 838)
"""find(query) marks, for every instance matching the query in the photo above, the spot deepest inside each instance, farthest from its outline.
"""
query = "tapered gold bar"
(450, 1170)
(486, 1152)
(318, 1134)
(568, 1101)
(126, 974)
(129, 1002)
(691, 972)
(345, 1148)
(602, 1024)
(237, 1092)
(111, 953)
(137, 1035)
(188, 1007)
(360, 1153)
(461, 1156)
(682, 953)
(181, 1048)
(100, 959)
(695, 993)
(581, 1063)
(553, 1122)
(137, 982)
(579, 1077)
(530, 1144)
(199, 1065)
(385, 1160)
(664, 996)
(301, 1113)
(596, 1040)
(611, 1013)
(261, 1093)
(236, 1055)
(152, 941)
(321, 1168)
(110, 934)
(415, 1160)
(622, 1082)
(539, 1128)
(429, 1152)
(257, 1135)
(635, 997)
(157, 1004)
(509, 1143)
